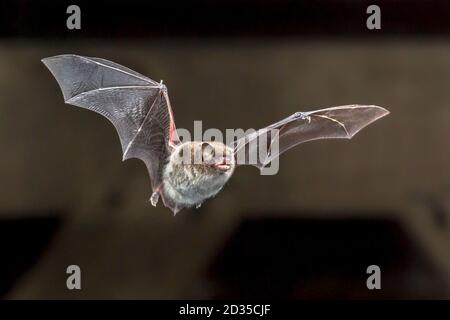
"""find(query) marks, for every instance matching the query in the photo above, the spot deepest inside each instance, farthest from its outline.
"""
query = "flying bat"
(140, 110)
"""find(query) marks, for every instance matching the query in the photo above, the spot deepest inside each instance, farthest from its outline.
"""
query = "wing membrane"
(341, 122)
(137, 106)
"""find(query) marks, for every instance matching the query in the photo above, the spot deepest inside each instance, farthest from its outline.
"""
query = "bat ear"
(207, 148)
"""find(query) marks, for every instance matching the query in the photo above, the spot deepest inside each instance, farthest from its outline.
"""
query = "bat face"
(210, 157)
(197, 171)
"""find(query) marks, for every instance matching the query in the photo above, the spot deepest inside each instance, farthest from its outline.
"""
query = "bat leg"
(154, 198)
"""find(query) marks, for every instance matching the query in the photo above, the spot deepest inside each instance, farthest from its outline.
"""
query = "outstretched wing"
(259, 149)
(137, 106)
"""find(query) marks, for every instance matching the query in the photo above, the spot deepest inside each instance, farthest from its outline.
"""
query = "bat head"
(208, 158)
(197, 171)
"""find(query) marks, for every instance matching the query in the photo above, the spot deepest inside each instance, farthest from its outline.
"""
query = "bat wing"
(341, 122)
(137, 106)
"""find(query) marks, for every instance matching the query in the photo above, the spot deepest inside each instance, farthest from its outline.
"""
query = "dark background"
(308, 232)
(223, 18)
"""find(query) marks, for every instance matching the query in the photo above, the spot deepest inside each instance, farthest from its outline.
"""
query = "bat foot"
(198, 205)
(154, 198)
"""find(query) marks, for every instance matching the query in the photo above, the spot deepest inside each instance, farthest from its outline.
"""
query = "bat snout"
(223, 167)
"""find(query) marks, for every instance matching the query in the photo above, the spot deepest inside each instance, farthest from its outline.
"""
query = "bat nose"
(228, 160)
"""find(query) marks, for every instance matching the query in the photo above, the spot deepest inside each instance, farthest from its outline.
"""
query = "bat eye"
(207, 148)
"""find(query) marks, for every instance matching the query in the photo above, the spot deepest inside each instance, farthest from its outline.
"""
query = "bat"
(140, 110)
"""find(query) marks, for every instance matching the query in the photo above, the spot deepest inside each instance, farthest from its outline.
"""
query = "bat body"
(140, 110)
(188, 184)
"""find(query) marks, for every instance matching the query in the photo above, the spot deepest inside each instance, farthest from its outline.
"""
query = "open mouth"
(222, 166)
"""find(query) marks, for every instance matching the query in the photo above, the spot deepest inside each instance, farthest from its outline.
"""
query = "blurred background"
(311, 231)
